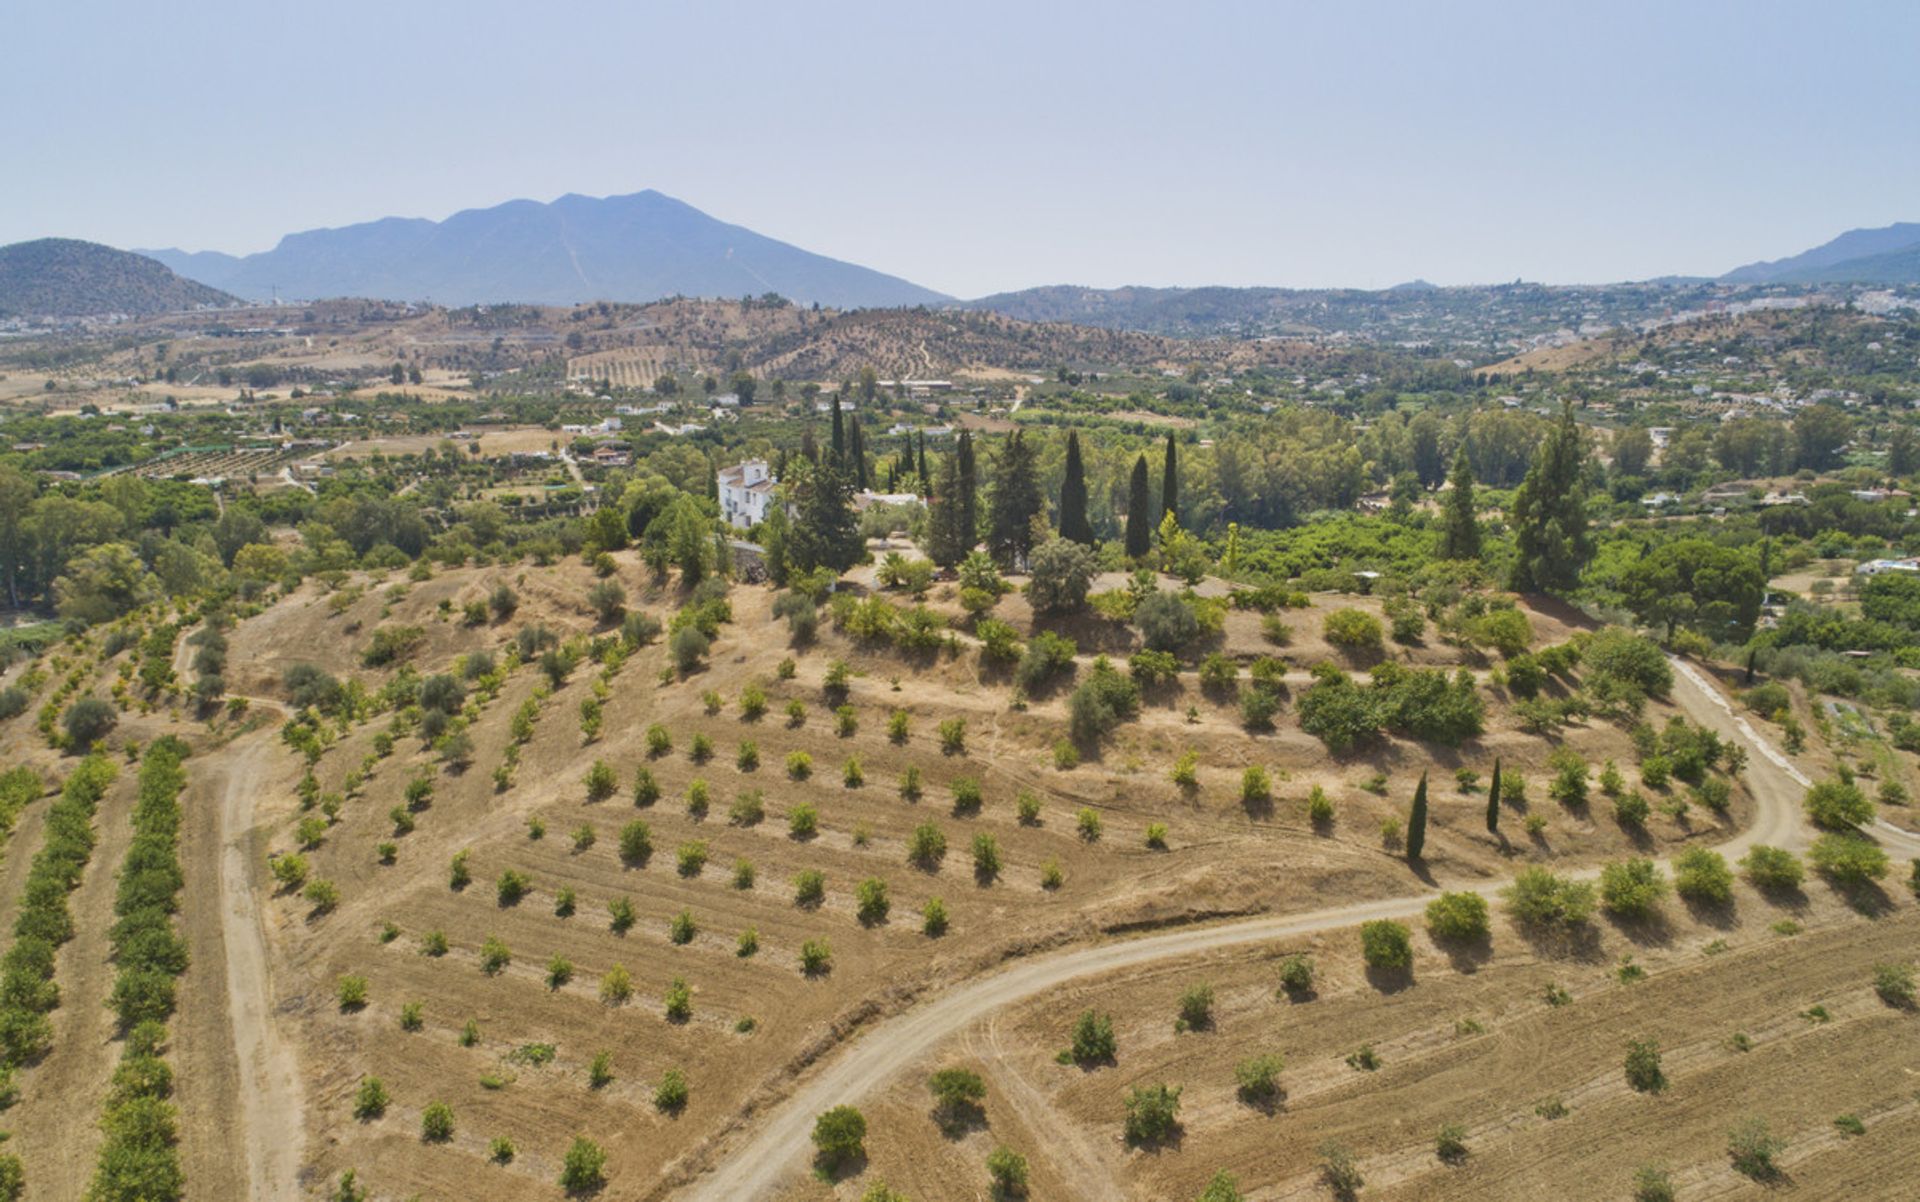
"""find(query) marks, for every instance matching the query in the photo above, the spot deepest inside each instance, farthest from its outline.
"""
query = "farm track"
(755, 1165)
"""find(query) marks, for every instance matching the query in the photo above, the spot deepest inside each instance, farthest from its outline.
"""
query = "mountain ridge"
(638, 247)
(1887, 254)
(69, 277)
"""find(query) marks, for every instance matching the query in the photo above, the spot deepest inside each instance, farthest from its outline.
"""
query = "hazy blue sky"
(980, 146)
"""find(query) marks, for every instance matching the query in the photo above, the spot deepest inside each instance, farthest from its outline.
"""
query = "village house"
(745, 491)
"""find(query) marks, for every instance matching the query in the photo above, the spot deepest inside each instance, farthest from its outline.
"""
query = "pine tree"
(1417, 821)
(1550, 514)
(946, 544)
(1139, 524)
(1016, 500)
(1460, 526)
(1170, 482)
(1493, 800)
(839, 430)
(969, 491)
(1073, 496)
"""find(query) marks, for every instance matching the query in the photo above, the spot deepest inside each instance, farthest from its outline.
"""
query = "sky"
(988, 146)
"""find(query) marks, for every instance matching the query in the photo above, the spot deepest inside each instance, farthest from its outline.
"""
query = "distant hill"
(64, 277)
(636, 248)
(1890, 255)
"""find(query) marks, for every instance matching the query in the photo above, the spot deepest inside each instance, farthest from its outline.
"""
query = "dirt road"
(755, 1165)
(270, 1090)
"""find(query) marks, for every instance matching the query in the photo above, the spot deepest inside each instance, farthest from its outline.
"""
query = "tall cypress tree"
(1140, 523)
(946, 544)
(1460, 526)
(926, 477)
(1493, 800)
(1170, 483)
(826, 533)
(1550, 514)
(969, 492)
(1073, 496)
(857, 449)
(839, 430)
(1417, 821)
(1016, 501)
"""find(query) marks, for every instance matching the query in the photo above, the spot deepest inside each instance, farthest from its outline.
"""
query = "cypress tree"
(1073, 496)
(1170, 482)
(857, 448)
(946, 545)
(969, 494)
(808, 447)
(1417, 821)
(839, 430)
(1460, 528)
(1493, 800)
(1140, 526)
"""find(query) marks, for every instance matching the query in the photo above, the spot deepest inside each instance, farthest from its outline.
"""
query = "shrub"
(585, 1166)
(682, 929)
(1537, 897)
(1848, 860)
(1296, 974)
(88, 721)
(1838, 805)
(799, 765)
(678, 1000)
(839, 1135)
(953, 736)
(1258, 1079)
(1087, 821)
(559, 972)
(1386, 944)
(809, 887)
(933, 918)
(1048, 656)
(511, 887)
(957, 1093)
(966, 795)
(1772, 868)
(1894, 984)
(1153, 1113)
(494, 956)
(986, 857)
(688, 646)
(646, 789)
(436, 1122)
(621, 915)
(870, 900)
(1196, 1007)
(1059, 573)
(1256, 787)
(926, 846)
(1166, 621)
(1461, 917)
(670, 1094)
(1006, 1168)
(1643, 1067)
(351, 992)
(1092, 1039)
(1617, 656)
(1632, 810)
(1632, 888)
(803, 821)
(1104, 700)
(691, 858)
(1752, 1148)
(1702, 876)
(370, 1100)
(636, 842)
(616, 985)
(1352, 630)
(1652, 1184)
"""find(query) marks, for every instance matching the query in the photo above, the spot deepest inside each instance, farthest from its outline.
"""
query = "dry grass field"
(497, 1002)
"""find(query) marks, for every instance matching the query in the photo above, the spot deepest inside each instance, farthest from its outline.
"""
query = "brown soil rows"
(56, 1131)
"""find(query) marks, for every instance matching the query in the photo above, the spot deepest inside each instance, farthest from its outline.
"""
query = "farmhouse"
(745, 490)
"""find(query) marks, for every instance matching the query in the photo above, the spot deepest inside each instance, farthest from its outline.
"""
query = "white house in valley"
(746, 489)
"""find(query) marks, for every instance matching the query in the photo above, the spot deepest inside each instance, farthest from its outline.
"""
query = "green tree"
(1074, 526)
(104, 582)
(839, 1135)
(1632, 451)
(1460, 524)
(1493, 800)
(1170, 481)
(1016, 501)
(948, 539)
(1550, 513)
(1417, 821)
(826, 533)
(1140, 522)
(1820, 432)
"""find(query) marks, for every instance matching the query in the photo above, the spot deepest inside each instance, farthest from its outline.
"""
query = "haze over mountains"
(640, 247)
(647, 246)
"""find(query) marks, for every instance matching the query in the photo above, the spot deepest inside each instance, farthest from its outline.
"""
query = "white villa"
(745, 491)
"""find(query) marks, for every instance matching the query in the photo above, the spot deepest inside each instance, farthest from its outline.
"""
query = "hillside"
(1889, 255)
(641, 247)
(64, 277)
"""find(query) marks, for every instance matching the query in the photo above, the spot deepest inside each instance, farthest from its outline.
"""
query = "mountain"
(1890, 255)
(63, 277)
(636, 248)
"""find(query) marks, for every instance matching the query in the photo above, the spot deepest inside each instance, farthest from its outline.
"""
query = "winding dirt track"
(755, 1165)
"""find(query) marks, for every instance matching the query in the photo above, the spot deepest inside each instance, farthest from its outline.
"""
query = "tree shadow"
(1712, 912)
(959, 1120)
(1269, 1103)
(1650, 929)
(1390, 980)
(1467, 956)
(1558, 941)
